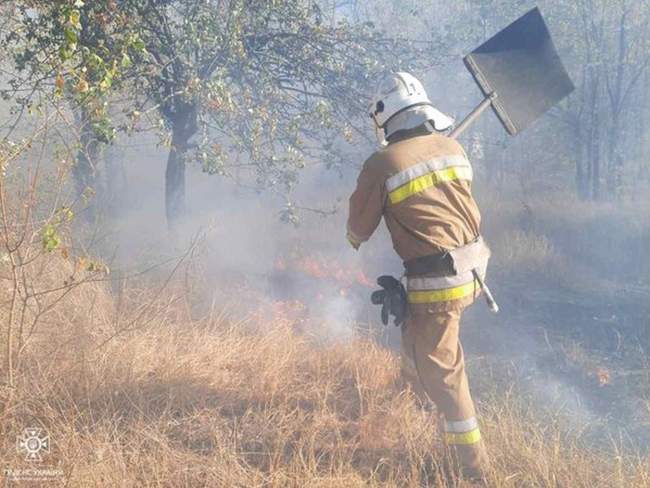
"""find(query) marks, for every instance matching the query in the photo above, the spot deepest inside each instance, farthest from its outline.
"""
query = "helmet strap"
(381, 139)
(432, 128)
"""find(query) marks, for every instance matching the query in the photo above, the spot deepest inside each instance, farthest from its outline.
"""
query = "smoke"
(244, 243)
(562, 292)
(338, 315)
(247, 247)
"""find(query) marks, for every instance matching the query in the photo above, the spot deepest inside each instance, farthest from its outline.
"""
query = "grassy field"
(142, 392)
(143, 384)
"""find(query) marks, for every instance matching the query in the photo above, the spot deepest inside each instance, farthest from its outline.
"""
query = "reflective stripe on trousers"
(461, 432)
(433, 362)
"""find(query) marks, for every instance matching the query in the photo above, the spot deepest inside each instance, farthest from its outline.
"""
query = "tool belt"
(436, 264)
(450, 263)
(470, 258)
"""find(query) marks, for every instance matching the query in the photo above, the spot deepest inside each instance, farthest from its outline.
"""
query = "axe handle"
(474, 114)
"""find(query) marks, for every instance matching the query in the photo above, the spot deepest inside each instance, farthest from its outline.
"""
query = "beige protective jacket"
(422, 187)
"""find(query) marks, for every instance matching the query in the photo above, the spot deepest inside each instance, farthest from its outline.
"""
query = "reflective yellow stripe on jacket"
(443, 289)
(445, 295)
(421, 176)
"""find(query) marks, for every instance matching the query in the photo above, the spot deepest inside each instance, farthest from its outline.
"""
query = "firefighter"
(420, 182)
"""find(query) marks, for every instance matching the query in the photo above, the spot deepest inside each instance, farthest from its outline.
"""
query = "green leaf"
(106, 82)
(126, 61)
(95, 61)
(138, 45)
(65, 53)
(74, 19)
(104, 131)
(67, 214)
(51, 239)
(70, 35)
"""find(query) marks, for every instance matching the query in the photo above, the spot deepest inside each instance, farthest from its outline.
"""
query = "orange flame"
(603, 376)
(291, 311)
(323, 269)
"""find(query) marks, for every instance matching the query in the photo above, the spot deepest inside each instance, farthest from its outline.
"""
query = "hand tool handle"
(491, 302)
(474, 114)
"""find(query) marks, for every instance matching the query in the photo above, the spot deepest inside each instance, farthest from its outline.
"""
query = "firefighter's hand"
(355, 244)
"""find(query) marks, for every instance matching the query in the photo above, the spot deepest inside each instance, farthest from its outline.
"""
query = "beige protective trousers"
(433, 363)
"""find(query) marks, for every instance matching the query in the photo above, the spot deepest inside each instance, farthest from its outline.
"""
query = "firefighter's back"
(429, 206)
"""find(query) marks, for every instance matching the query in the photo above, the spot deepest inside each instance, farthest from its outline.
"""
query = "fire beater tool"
(519, 73)
(521, 77)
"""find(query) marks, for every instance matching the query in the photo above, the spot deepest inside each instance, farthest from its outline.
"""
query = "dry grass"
(138, 390)
(553, 233)
(171, 400)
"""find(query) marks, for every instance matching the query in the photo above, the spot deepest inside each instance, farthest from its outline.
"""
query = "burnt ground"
(578, 356)
(585, 357)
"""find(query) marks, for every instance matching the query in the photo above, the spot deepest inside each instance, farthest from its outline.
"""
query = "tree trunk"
(85, 170)
(640, 140)
(593, 147)
(115, 180)
(175, 179)
(184, 126)
(614, 159)
(582, 182)
(595, 173)
(595, 155)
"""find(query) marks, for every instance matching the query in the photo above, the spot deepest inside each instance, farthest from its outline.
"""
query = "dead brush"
(142, 392)
(218, 402)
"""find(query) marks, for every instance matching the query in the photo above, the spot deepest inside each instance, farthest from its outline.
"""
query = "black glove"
(392, 298)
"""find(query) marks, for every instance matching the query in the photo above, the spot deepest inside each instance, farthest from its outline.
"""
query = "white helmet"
(398, 92)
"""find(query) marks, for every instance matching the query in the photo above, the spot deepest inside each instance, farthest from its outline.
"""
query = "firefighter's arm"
(366, 205)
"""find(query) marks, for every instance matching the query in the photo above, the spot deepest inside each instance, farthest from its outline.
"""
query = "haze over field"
(179, 305)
